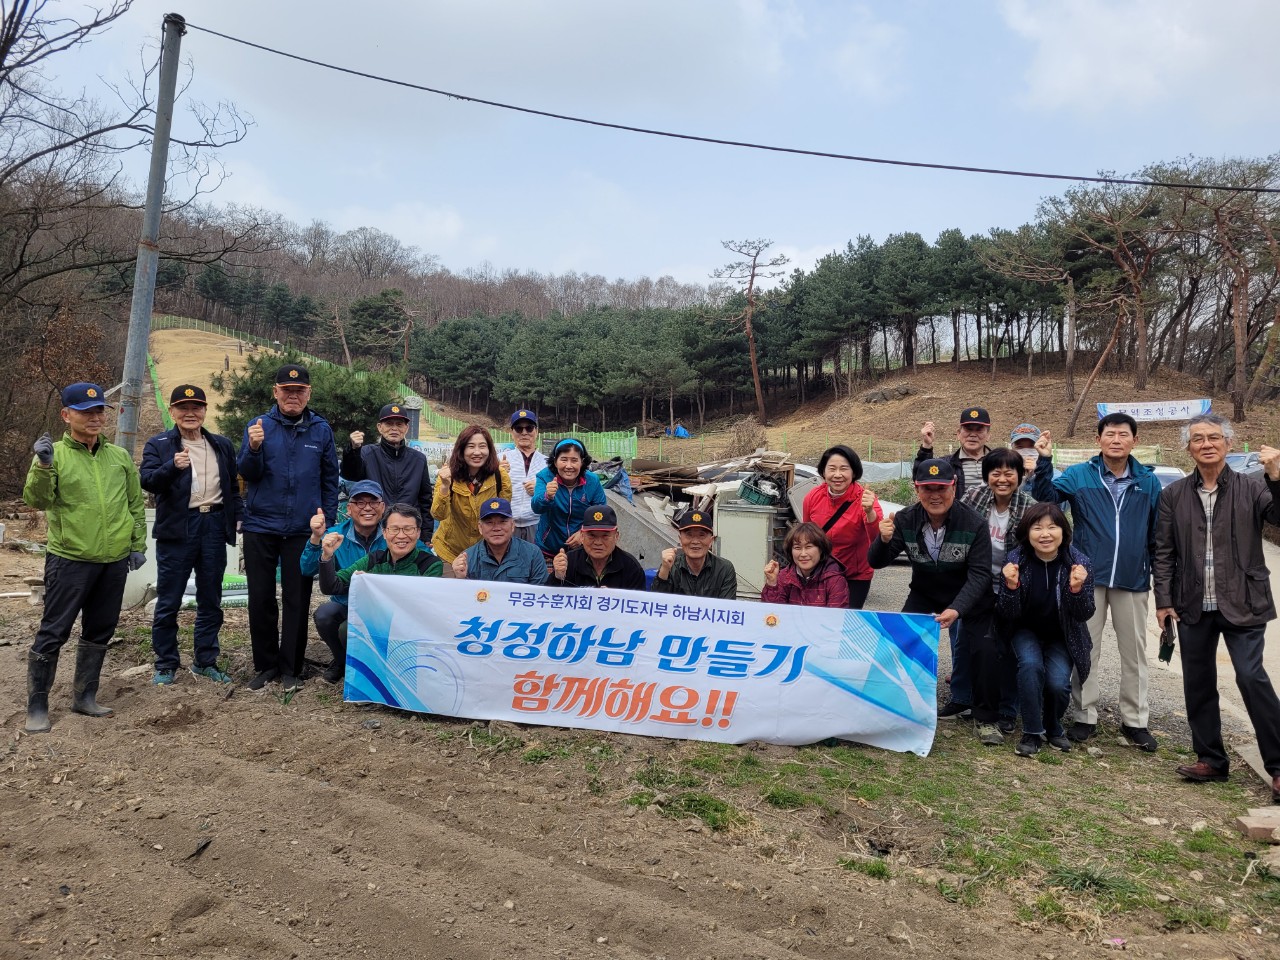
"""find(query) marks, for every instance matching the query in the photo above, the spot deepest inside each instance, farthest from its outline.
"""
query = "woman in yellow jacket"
(473, 475)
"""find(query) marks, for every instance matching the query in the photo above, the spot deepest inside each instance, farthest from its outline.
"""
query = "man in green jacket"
(92, 498)
(693, 570)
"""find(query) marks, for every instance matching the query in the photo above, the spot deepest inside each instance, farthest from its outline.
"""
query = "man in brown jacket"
(1212, 580)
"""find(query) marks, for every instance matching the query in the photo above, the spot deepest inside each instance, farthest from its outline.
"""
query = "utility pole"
(144, 279)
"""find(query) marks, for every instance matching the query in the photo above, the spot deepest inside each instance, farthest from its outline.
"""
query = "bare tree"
(746, 273)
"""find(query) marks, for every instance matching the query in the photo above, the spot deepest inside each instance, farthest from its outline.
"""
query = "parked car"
(1247, 463)
(1167, 474)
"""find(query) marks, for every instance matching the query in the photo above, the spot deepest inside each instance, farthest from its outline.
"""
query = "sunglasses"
(519, 429)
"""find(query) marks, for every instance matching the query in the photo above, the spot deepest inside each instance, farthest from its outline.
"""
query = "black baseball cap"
(977, 416)
(694, 519)
(600, 517)
(293, 373)
(392, 411)
(187, 393)
(934, 471)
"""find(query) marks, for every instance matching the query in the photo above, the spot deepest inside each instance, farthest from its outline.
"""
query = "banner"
(643, 663)
(1158, 410)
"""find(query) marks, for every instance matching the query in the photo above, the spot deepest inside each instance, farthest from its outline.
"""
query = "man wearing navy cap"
(973, 433)
(598, 562)
(693, 570)
(398, 468)
(524, 461)
(500, 555)
(351, 540)
(949, 547)
(93, 503)
(290, 468)
(192, 473)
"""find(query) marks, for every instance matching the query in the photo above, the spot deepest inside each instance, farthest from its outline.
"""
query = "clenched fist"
(317, 525)
(553, 487)
(1078, 576)
(886, 528)
(182, 459)
(43, 449)
(926, 435)
(256, 434)
(668, 561)
(529, 485)
(460, 566)
(771, 573)
(1044, 446)
(1010, 571)
(357, 439)
(1269, 457)
(329, 545)
(444, 474)
(560, 565)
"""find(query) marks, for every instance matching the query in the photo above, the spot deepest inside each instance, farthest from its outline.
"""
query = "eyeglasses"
(529, 429)
(1210, 438)
(402, 531)
(366, 504)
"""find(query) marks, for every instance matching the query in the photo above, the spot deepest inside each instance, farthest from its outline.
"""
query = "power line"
(732, 143)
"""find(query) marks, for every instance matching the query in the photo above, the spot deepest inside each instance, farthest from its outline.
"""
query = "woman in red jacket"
(848, 514)
(813, 578)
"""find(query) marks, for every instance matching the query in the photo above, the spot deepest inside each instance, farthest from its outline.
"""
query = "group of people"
(1024, 591)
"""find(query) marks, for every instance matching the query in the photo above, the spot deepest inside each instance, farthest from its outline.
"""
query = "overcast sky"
(1048, 86)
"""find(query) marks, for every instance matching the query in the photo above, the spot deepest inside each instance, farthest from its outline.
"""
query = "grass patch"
(543, 754)
(493, 742)
(714, 812)
(657, 777)
(1202, 918)
(786, 798)
(1207, 841)
(876, 869)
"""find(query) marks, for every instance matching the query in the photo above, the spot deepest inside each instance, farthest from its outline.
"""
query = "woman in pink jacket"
(813, 578)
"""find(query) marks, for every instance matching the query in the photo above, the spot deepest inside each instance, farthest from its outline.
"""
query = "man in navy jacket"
(192, 473)
(290, 467)
(1113, 501)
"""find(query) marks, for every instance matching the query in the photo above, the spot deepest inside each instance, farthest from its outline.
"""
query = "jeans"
(1198, 645)
(279, 640)
(1044, 682)
(205, 551)
(72, 586)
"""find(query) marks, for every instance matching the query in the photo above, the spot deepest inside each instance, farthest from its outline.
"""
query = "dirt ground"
(204, 821)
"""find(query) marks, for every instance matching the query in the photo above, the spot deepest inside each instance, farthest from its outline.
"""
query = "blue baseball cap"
(368, 488)
(523, 415)
(497, 507)
(83, 396)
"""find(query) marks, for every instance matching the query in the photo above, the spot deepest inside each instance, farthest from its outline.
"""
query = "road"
(1168, 716)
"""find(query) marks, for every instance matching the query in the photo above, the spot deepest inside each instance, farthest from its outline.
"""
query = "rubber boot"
(40, 670)
(89, 657)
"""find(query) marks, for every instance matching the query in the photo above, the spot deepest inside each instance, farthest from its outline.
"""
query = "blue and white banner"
(643, 663)
(1157, 410)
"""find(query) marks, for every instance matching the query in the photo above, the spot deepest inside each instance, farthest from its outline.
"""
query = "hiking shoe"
(1028, 746)
(1140, 738)
(955, 711)
(990, 734)
(1060, 742)
(290, 683)
(162, 678)
(262, 678)
(1006, 725)
(1080, 732)
(335, 672)
(211, 672)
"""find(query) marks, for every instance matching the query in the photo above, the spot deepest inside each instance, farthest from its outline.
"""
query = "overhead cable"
(1123, 181)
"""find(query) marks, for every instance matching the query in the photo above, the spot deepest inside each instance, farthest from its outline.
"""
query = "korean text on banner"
(1158, 410)
(641, 663)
